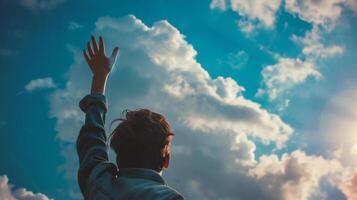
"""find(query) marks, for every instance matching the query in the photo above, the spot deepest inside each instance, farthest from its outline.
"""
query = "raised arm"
(91, 143)
(99, 63)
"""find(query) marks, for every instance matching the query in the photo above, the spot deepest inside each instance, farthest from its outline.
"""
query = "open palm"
(95, 56)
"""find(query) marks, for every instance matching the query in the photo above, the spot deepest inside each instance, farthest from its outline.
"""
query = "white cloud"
(7, 193)
(37, 5)
(285, 74)
(218, 4)
(254, 13)
(324, 13)
(295, 176)
(349, 187)
(244, 151)
(280, 78)
(41, 83)
(323, 16)
(260, 10)
(313, 47)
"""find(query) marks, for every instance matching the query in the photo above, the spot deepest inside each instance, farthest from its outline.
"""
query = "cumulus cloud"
(38, 5)
(40, 83)
(349, 187)
(244, 150)
(7, 192)
(295, 176)
(253, 13)
(323, 16)
(324, 13)
(259, 13)
(285, 74)
(215, 125)
(260, 10)
(289, 72)
(313, 46)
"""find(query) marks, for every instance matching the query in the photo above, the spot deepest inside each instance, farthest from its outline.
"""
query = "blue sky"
(259, 92)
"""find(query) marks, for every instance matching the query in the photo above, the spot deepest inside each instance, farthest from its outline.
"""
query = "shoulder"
(147, 189)
(168, 193)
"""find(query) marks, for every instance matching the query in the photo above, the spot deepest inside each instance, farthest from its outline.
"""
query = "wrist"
(100, 76)
(99, 83)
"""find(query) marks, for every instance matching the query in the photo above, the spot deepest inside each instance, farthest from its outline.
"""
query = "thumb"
(114, 53)
(113, 57)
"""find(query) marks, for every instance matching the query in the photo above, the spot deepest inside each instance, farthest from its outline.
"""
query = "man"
(141, 142)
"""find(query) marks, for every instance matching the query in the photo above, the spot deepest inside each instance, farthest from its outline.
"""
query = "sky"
(261, 94)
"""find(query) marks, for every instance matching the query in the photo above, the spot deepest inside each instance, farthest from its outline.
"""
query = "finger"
(94, 43)
(114, 53)
(90, 51)
(87, 58)
(101, 45)
(113, 57)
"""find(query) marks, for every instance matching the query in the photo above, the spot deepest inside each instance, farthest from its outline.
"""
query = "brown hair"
(140, 138)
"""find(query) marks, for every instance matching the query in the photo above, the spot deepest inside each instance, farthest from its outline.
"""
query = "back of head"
(141, 140)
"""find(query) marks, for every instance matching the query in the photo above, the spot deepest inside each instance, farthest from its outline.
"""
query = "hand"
(98, 62)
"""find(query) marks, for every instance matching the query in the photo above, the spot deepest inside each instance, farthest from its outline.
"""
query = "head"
(142, 140)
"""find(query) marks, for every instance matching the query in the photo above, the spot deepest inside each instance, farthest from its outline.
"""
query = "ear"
(167, 160)
(167, 151)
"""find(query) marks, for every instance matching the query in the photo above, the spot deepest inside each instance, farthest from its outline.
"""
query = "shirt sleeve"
(92, 146)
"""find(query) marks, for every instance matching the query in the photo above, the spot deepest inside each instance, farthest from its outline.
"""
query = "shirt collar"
(143, 173)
